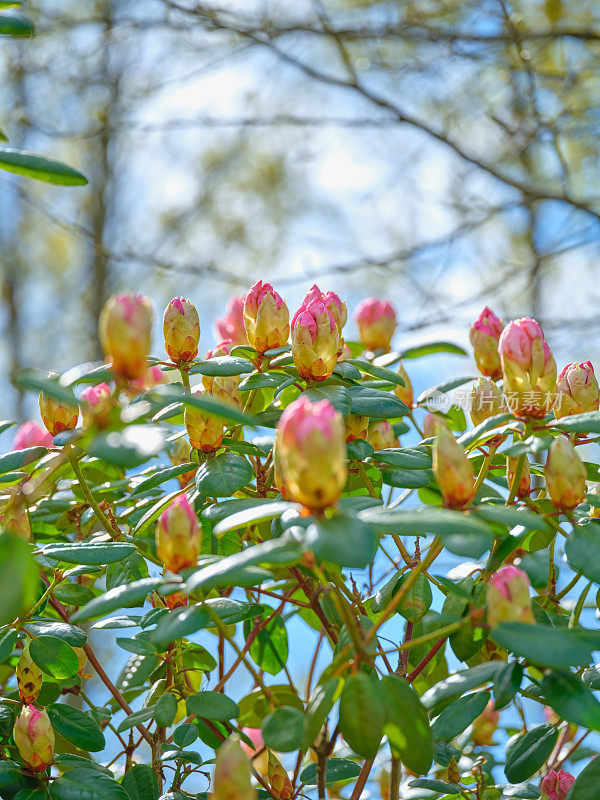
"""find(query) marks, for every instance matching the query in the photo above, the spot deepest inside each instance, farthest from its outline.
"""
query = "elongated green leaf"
(336, 769)
(12, 24)
(167, 394)
(38, 167)
(343, 540)
(140, 783)
(525, 754)
(282, 729)
(377, 371)
(376, 404)
(587, 782)
(443, 787)
(571, 699)
(76, 727)
(223, 475)
(442, 388)
(179, 623)
(458, 683)
(582, 548)
(552, 647)
(338, 396)
(54, 657)
(269, 649)
(362, 714)
(459, 715)
(89, 552)
(16, 459)
(162, 476)
(407, 724)
(252, 516)
(588, 422)
(130, 447)
(223, 366)
(405, 457)
(118, 597)
(405, 478)
(18, 577)
(83, 783)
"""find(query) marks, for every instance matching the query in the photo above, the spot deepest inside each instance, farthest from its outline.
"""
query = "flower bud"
(97, 402)
(231, 780)
(565, 474)
(277, 468)
(153, 376)
(486, 400)
(34, 738)
(222, 349)
(485, 725)
(577, 390)
(312, 452)
(266, 318)
(57, 415)
(181, 329)
(178, 536)
(205, 431)
(30, 434)
(431, 425)
(315, 341)
(179, 453)
(556, 785)
(524, 487)
(528, 369)
(15, 518)
(231, 326)
(381, 436)
(508, 597)
(376, 320)
(484, 335)
(595, 510)
(279, 780)
(357, 427)
(452, 470)
(125, 329)
(29, 677)
(404, 393)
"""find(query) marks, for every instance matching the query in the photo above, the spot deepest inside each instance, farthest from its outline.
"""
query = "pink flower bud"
(486, 400)
(376, 321)
(565, 474)
(231, 780)
(524, 487)
(484, 335)
(179, 453)
(278, 778)
(153, 376)
(577, 390)
(204, 430)
(312, 452)
(29, 677)
(485, 725)
(266, 318)
(181, 329)
(34, 738)
(178, 535)
(556, 785)
(315, 341)
(125, 333)
(30, 434)
(335, 306)
(508, 597)
(57, 415)
(431, 425)
(452, 470)
(97, 401)
(256, 737)
(357, 427)
(15, 518)
(528, 369)
(381, 436)
(231, 326)
(404, 393)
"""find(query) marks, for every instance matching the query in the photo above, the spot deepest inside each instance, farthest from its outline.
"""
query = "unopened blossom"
(178, 535)
(312, 452)
(315, 341)
(508, 597)
(524, 487)
(381, 436)
(277, 468)
(34, 738)
(336, 307)
(205, 431)
(431, 424)
(223, 348)
(29, 677)
(565, 475)
(257, 752)
(484, 335)
(404, 393)
(231, 326)
(577, 390)
(179, 453)
(486, 400)
(356, 426)
(485, 725)
(125, 329)
(96, 404)
(266, 317)
(376, 320)
(181, 329)
(14, 517)
(279, 780)
(556, 785)
(58, 415)
(223, 388)
(231, 780)
(30, 434)
(452, 470)
(528, 369)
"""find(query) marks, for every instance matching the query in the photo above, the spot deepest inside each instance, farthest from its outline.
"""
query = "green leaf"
(283, 728)
(83, 783)
(262, 380)
(525, 754)
(8, 640)
(165, 709)
(130, 447)
(436, 786)
(73, 594)
(223, 366)
(582, 548)
(118, 597)
(405, 457)
(588, 422)
(54, 656)
(223, 475)
(60, 630)
(459, 715)
(179, 623)
(140, 783)
(212, 705)
(16, 25)
(269, 650)
(511, 516)
(90, 553)
(30, 794)
(405, 478)
(470, 437)
(76, 727)
(552, 647)
(571, 699)
(10, 772)
(232, 611)
(458, 683)
(378, 372)
(185, 735)
(170, 393)
(38, 167)
(317, 710)
(18, 577)
(507, 682)
(586, 783)
(432, 347)
(376, 404)
(338, 396)
(407, 724)
(162, 476)
(252, 516)
(136, 718)
(336, 769)
(342, 540)
(362, 714)
(16, 459)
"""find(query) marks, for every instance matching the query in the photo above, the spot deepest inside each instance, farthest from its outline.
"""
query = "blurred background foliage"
(441, 153)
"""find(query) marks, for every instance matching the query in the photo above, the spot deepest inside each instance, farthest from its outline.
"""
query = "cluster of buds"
(381, 436)
(508, 597)
(266, 318)
(96, 404)
(577, 390)
(523, 490)
(376, 320)
(315, 341)
(565, 475)
(205, 431)
(486, 400)
(58, 415)
(528, 369)
(34, 738)
(452, 470)
(15, 518)
(484, 335)
(125, 329)
(181, 329)
(231, 326)
(29, 677)
(556, 785)
(357, 427)
(312, 452)
(178, 536)
(404, 393)
(232, 777)
(30, 434)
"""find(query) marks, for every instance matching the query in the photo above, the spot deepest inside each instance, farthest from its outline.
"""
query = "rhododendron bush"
(274, 572)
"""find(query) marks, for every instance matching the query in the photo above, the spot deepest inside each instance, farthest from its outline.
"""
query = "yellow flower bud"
(34, 738)
(178, 535)
(356, 426)
(125, 329)
(315, 341)
(57, 415)
(453, 470)
(181, 329)
(486, 400)
(204, 430)
(565, 475)
(381, 435)
(524, 488)
(232, 778)
(404, 393)
(279, 780)
(266, 317)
